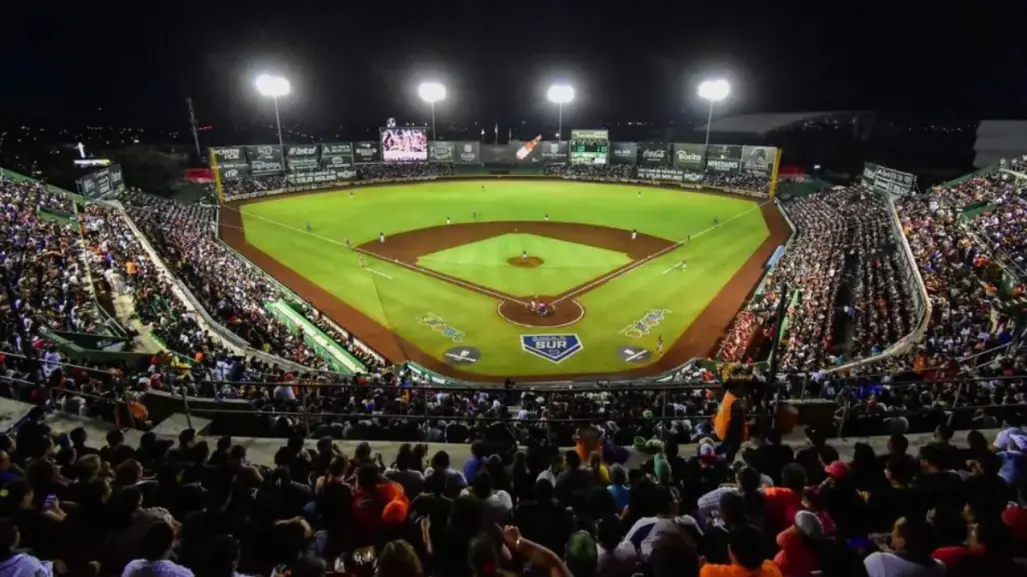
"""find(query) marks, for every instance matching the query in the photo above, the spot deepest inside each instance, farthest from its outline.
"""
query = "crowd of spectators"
(407, 170)
(253, 185)
(68, 507)
(742, 181)
(1004, 224)
(230, 289)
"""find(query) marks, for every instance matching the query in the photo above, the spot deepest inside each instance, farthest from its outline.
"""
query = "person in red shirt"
(377, 505)
(799, 555)
(783, 502)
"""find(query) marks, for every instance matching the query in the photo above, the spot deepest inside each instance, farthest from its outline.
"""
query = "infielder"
(524, 256)
(448, 221)
(547, 218)
(381, 237)
(308, 226)
(361, 259)
(634, 234)
(683, 265)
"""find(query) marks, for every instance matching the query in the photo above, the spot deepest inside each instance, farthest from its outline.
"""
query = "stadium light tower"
(714, 91)
(275, 87)
(560, 94)
(432, 92)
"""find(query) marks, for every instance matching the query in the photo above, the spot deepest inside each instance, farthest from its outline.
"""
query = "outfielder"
(448, 221)
(634, 234)
(361, 259)
(308, 226)
(381, 237)
(547, 217)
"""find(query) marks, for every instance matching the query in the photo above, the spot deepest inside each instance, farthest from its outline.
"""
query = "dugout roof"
(763, 123)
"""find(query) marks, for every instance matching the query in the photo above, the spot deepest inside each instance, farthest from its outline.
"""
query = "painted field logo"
(642, 326)
(555, 348)
(437, 324)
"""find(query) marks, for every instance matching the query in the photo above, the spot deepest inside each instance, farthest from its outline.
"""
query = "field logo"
(554, 348)
(437, 324)
(642, 326)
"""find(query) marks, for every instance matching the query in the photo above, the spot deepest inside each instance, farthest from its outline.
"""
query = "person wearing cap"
(377, 503)
(799, 555)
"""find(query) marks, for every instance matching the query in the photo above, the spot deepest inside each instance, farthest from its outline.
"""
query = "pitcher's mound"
(530, 262)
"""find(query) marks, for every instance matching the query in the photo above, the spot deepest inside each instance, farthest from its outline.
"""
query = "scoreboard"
(589, 147)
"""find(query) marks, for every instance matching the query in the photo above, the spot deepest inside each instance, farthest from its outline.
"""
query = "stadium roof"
(763, 123)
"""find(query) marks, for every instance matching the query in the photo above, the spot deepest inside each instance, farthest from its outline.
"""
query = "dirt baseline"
(566, 313)
(697, 341)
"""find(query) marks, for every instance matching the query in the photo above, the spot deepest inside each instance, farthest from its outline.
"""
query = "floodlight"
(431, 92)
(714, 90)
(560, 93)
(273, 86)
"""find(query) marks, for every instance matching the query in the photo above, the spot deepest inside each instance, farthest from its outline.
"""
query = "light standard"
(714, 91)
(432, 92)
(560, 94)
(275, 87)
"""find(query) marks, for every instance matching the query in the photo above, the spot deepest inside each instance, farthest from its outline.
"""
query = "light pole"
(275, 87)
(714, 91)
(432, 92)
(560, 94)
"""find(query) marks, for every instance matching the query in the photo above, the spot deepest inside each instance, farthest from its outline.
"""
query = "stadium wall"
(921, 300)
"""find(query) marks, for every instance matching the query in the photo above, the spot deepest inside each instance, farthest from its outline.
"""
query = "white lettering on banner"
(265, 152)
(228, 153)
(654, 154)
(303, 151)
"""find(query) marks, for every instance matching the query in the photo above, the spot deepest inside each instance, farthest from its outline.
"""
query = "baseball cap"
(837, 470)
(809, 525)
(707, 452)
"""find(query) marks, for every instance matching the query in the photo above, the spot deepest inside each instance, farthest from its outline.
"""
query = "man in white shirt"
(19, 564)
(156, 548)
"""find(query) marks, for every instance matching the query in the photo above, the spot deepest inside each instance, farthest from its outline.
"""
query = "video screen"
(404, 145)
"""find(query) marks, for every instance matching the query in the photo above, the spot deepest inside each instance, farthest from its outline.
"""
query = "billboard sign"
(230, 156)
(301, 157)
(321, 176)
(553, 152)
(336, 155)
(264, 159)
(688, 156)
(758, 159)
(441, 151)
(95, 185)
(653, 154)
(623, 153)
(468, 152)
(888, 180)
(404, 144)
(234, 173)
(725, 158)
(366, 152)
(117, 179)
(660, 173)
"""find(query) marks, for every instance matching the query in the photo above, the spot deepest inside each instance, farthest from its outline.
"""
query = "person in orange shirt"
(745, 550)
(377, 505)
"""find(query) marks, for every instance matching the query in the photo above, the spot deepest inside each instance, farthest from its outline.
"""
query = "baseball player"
(640, 194)
(381, 237)
(547, 217)
(684, 265)
(634, 234)
(659, 345)
(716, 221)
(361, 259)
(351, 193)
(448, 221)
(474, 215)
(524, 256)
(308, 226)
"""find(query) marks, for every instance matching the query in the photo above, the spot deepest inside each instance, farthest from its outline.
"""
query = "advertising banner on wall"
(117, 179)
(95, 185)
(336, 155)
(441, 151)
(366, 152)
(320, 176)
(659, 173)
(264, 159)
(553, 152)
(888, 180)
(688, 156)
(302, 157)
(468, 152)
(230, 156)
(623, 153)
(234, 173)
(506, 154)
(758, 159)
(724, 158)
(653, 154)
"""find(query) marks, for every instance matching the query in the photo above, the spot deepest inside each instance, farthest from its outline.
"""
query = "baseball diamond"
(492, 270)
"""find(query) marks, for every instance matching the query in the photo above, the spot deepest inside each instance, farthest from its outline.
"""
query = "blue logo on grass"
(554, 348)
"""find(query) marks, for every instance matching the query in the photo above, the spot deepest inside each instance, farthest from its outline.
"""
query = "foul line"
(657, 254)
(379, 273)
(678, 265)
(413, 267)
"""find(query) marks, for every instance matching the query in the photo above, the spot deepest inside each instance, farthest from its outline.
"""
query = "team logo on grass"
(439, 325)
(554, 348)
(633, 354)
(642, 326)
(462, 355)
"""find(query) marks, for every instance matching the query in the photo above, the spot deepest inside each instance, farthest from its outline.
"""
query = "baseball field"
(445, 273)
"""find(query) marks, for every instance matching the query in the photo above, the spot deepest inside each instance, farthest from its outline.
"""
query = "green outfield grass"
(400, 298)
(566, 265)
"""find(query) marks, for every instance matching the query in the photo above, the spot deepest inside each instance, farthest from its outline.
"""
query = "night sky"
(351, 60)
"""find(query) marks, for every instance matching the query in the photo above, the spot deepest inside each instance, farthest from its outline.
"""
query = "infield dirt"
(697, 341)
